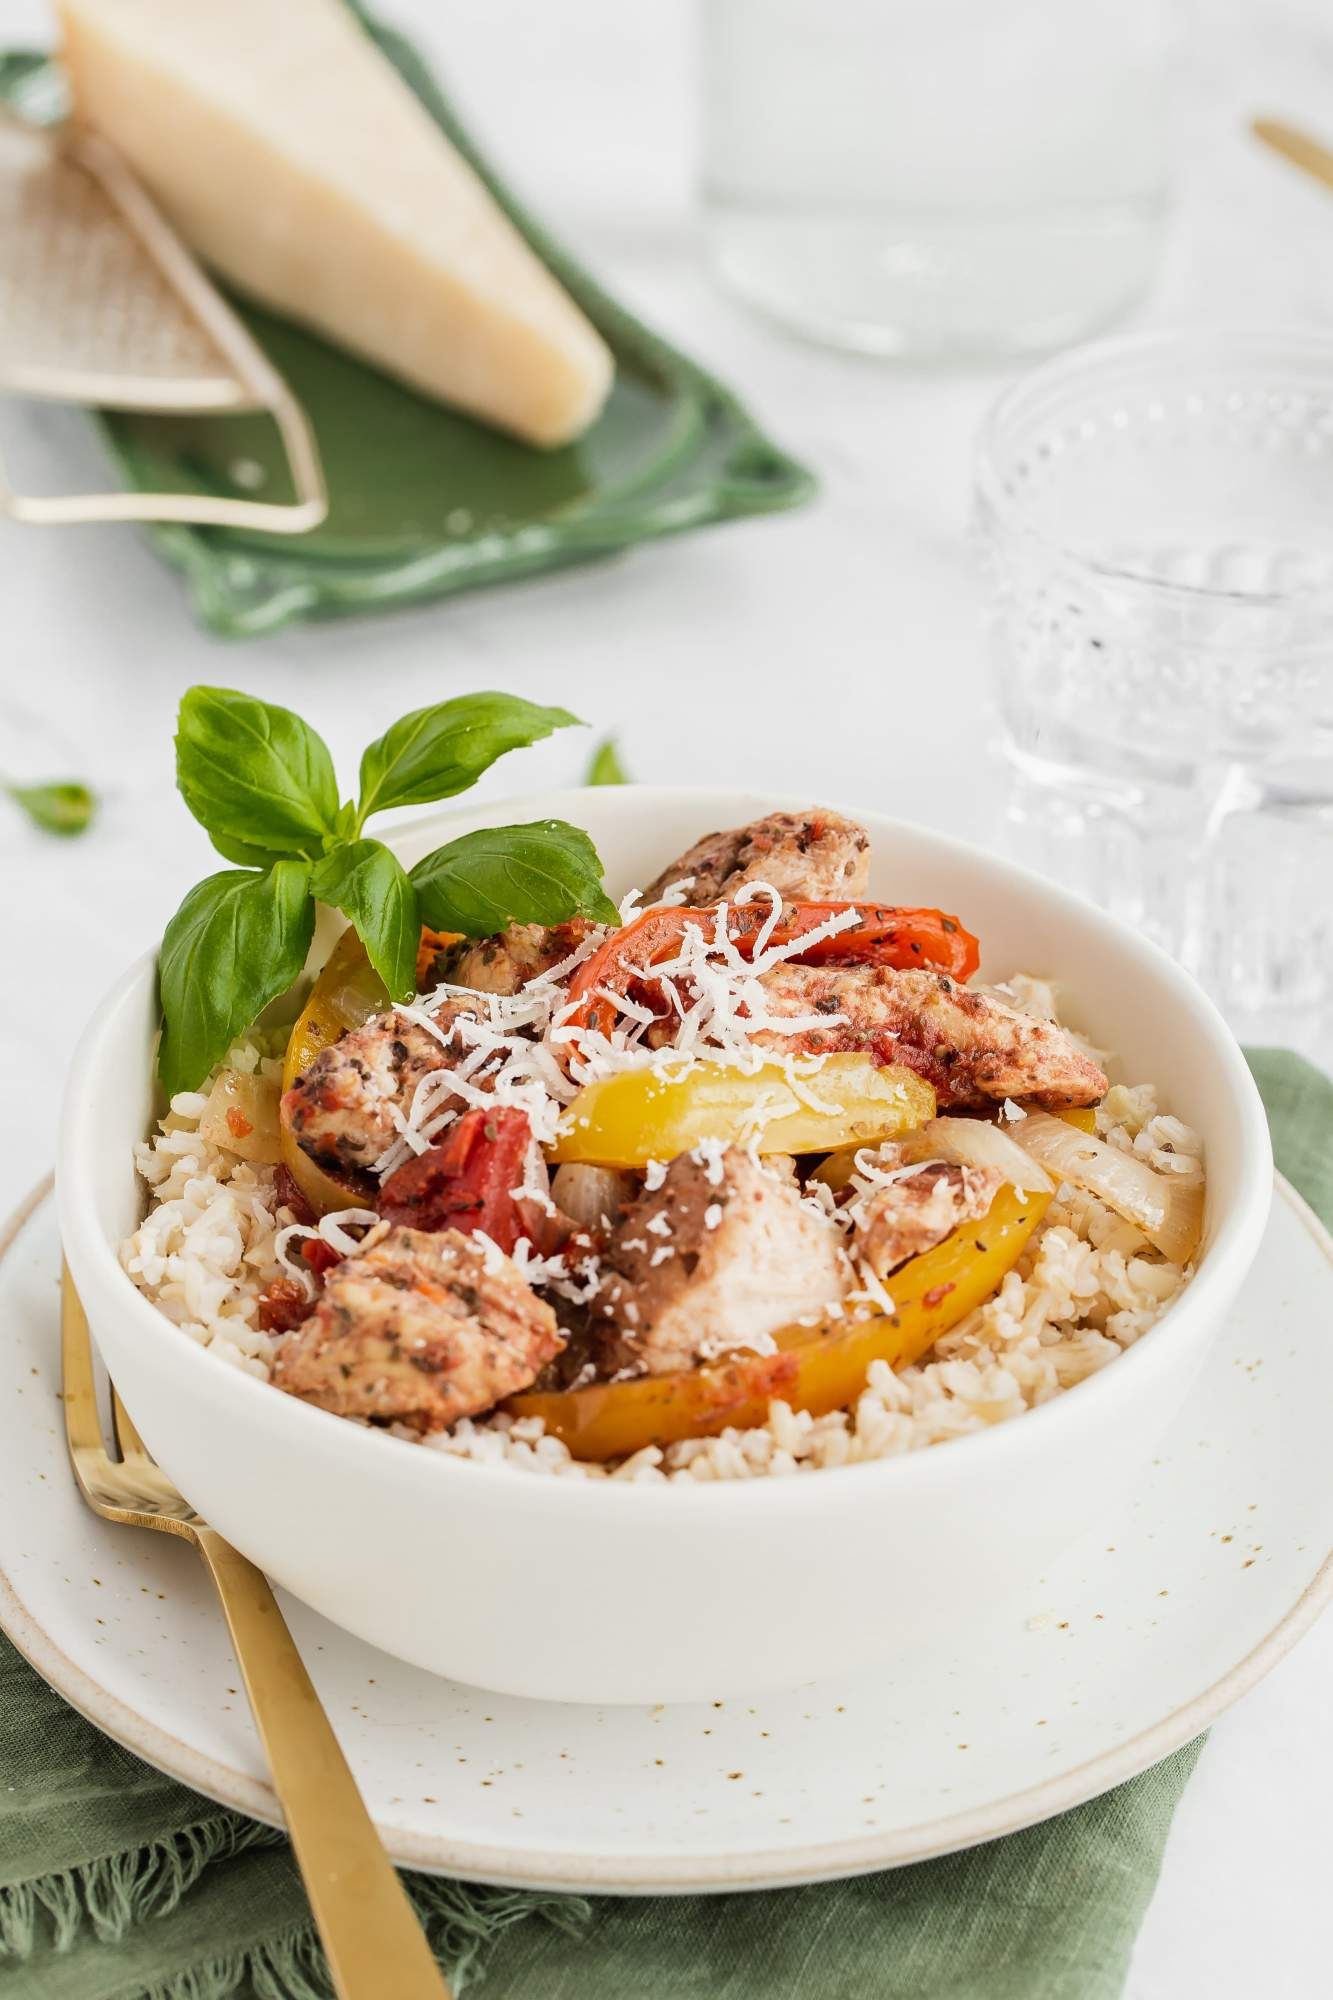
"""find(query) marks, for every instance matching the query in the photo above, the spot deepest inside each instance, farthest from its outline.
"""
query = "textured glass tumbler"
(1157, 520)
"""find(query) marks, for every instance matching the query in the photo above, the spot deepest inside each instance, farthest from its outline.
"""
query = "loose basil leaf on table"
(64, 808)
(373, 890)
(256, 777)
(435, 753)
(543, 873)
(237, 941)
(605, 767)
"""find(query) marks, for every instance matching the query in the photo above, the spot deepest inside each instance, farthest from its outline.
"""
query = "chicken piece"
(719, 1256)
(970, 1046)
(510, 960)
(341, 1110)
(807, 857)
(419, 1329)
(915, 1213)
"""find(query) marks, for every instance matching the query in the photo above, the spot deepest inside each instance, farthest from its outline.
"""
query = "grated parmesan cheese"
(332, 1229)
(525, 1050)
(870, 1291)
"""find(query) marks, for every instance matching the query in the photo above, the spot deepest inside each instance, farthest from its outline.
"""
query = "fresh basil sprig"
(237, 941)
(369, 884)
(262, 783)
(435, 753)
(257, 777)
(535, 874)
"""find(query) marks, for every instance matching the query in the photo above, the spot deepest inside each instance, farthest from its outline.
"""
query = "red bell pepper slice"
(882, 935)
(466, 1180)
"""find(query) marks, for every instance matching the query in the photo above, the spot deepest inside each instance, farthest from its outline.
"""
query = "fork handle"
(374, 1943)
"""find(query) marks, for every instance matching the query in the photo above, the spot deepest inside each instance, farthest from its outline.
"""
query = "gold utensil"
(1297, 146)
(101, 303)
(375, 1946)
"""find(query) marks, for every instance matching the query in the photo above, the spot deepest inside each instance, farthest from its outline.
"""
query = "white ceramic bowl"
(593, 1591)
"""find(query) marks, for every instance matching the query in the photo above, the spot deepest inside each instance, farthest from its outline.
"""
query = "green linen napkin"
(118, 1884)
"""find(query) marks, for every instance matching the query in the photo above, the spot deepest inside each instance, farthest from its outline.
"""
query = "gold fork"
(375, 1945)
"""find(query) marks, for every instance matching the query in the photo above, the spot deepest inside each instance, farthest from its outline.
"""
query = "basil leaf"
(59, 808)
(606, 767)
(543, 873)
(237, 941)
(434, 753)
(256, 776)
(371, 887)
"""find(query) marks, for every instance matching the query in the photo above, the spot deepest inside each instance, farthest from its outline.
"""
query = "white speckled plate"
(1127, 1649)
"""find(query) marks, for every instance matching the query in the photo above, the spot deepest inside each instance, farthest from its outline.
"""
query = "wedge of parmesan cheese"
(294, 159)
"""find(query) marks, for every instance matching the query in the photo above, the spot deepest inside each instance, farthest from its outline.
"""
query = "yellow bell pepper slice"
(654, 1114)
(345, 995)
(813, 1370)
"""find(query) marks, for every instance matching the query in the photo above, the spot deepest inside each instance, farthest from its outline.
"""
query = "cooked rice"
(1087, 1287)
(205, 1250)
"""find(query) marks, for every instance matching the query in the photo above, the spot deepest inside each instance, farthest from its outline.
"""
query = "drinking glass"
(1157, 519)
(935, 177)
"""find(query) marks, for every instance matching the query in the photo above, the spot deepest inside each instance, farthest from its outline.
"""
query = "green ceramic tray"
(424, 502)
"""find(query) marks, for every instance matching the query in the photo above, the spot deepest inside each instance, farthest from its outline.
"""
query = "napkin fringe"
(117, 1891)
(286, 1968)
(461, 1920)
(113, 1894)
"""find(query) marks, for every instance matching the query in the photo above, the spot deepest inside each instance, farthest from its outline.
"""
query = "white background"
(832, 652)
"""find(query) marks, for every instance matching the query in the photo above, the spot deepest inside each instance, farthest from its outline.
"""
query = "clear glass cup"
(935, 178)
(1157, 519)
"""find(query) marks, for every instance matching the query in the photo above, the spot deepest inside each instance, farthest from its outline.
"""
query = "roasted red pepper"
(283, 1304)
(882, 935)
(289, 1195)
(318, 1254)
(467, 1180)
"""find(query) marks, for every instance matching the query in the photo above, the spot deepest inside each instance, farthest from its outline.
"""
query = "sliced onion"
(969, 1142)
(592, 1197)
(1168, 1209)
(241, 1116)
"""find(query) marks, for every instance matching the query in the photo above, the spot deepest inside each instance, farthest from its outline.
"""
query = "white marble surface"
(832, 651)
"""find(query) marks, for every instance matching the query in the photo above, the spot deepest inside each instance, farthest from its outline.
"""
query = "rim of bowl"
(1235, 1243)
(999, 509)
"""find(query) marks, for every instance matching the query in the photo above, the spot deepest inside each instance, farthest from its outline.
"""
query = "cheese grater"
(102, 304)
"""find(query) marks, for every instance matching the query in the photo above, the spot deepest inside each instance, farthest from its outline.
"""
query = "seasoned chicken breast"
(915, 1213)
(807, 857)
(971, 1047)
(341, 1110)
(418, 1329)
(719, 1256)
(504, 963)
